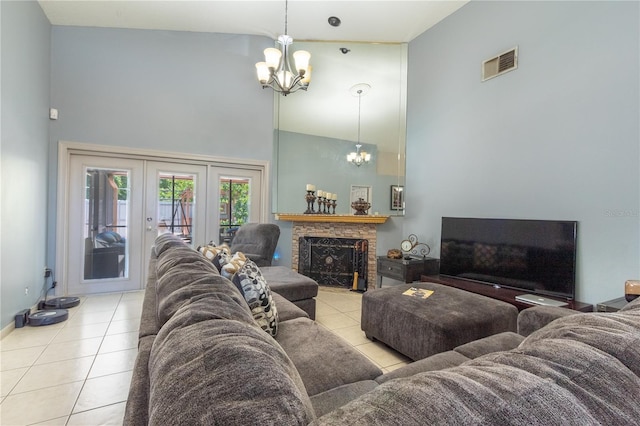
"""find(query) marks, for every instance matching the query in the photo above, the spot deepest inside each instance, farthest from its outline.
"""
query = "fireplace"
(335, 226)
(334, 261)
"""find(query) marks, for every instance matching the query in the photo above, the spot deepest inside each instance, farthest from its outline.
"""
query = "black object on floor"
(61, 302)
(48, 317)
(22, 318)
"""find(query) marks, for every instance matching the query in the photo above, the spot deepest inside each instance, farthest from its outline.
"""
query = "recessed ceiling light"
(334, 21)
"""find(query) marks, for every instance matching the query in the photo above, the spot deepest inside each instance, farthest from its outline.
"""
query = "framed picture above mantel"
(397, 197)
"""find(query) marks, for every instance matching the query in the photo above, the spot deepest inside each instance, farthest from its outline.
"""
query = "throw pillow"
(218, 255)
(233, 264)
(256, 292)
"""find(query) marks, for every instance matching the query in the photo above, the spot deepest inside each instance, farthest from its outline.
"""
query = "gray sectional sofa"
(203, 359)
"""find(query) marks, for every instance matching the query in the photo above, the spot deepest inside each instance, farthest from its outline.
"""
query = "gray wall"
(165, 90)
(558, 138)
(25, 35)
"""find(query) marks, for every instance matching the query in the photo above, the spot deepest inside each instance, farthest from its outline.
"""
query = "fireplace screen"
(333, 261)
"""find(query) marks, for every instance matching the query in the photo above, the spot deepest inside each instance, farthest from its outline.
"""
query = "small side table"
(406, 270)
(612, 305)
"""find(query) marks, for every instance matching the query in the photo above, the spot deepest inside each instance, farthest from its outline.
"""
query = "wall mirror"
(317, 129)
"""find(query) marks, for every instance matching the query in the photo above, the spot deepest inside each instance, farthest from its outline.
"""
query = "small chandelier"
(359, 157)
(276, 71)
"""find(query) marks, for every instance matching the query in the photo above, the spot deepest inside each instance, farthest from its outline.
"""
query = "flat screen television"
(535, 256)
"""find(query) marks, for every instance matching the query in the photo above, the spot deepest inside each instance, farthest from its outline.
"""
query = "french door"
(105, 233)
(175, 202)
(114, 208)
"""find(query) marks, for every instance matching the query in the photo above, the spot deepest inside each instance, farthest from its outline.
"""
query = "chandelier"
(276, 71)
(359, 157)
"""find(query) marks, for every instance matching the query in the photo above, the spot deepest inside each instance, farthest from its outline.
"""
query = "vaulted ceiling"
(378, 21)
(328, 108)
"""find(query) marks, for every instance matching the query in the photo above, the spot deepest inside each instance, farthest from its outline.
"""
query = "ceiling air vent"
(505, 62)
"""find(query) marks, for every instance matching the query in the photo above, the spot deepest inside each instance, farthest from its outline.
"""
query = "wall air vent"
(505, 62)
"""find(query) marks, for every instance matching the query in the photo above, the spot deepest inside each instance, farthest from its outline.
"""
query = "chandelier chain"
(359, 112)
(286, 16)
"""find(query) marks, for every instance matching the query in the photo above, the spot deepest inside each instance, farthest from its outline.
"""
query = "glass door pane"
(106, 217)
(234, 206)
(175, 204)
(238, 196)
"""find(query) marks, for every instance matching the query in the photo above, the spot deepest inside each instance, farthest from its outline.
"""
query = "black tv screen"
(536, 256)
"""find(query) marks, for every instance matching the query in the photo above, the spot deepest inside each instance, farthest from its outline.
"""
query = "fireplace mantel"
(331, 218)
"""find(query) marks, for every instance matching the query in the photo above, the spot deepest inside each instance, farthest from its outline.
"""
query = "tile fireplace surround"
(335, 226)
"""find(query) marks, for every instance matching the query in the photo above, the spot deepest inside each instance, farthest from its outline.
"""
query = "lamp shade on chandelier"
(276, 71)
(359, 157)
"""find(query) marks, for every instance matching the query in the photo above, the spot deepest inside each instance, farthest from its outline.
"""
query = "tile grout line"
(84, 382)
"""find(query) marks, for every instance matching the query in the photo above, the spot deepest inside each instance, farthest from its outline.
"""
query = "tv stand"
(496, 292)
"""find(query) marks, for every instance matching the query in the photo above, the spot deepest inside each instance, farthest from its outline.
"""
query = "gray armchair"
(257, 241)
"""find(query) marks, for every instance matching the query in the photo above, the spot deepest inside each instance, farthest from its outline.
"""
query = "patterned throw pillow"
(218, 255)
(233, 265)
(256, 292)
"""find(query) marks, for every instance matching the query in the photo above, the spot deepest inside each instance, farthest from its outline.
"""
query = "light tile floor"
(78, 372)
(339, 311)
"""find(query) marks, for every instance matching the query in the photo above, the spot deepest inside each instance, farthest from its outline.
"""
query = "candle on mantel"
(311, 187)
(320, 193)
(328, 195)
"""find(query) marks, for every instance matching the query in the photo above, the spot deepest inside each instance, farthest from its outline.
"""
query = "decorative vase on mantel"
(360, 206)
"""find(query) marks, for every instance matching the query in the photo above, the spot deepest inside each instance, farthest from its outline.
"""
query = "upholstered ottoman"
(295, 287)
(419, 328)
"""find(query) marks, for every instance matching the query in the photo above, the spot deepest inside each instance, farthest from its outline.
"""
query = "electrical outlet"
(26, 291)
(47, 272)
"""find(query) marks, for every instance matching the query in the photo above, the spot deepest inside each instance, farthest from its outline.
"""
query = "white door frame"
(66, 149)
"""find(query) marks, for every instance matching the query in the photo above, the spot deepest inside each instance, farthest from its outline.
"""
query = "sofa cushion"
(328, 401)
(536, 317)
(290, 284)
(182, 274)
(571, 372)
(212, 364)
(249, 280)
(307, 305)
(633, 305)
(287, 310)
(614, 333)
(165, 241)
(434, 362)
(148, 319)
(324, 360)
(498, 342)
(137, 402)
